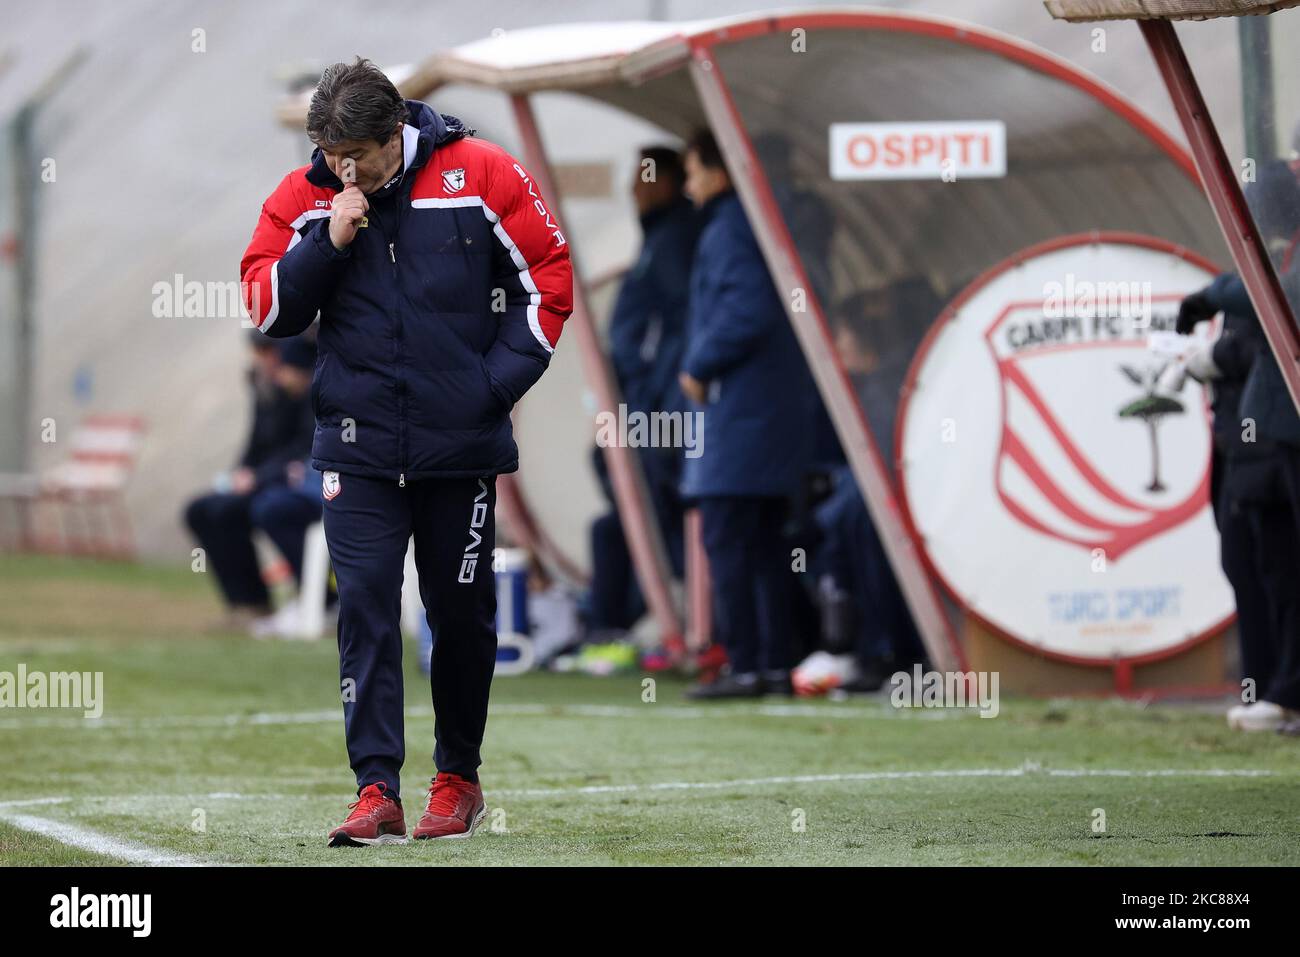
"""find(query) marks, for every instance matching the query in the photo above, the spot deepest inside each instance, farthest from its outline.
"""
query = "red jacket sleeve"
(532, 268)
(290, 266)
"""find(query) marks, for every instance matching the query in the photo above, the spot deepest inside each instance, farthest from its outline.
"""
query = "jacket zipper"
(401, 334)
(401, 425)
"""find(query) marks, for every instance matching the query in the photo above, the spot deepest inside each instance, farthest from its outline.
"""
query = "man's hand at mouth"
(350, 207)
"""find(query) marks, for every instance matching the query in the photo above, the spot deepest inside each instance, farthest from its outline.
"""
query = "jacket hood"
(434, 129)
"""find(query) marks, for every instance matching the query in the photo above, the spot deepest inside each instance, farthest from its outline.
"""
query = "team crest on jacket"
(330, 485)
(1059, 482)
(453, 180)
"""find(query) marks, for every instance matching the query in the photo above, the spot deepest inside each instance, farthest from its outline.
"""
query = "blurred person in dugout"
(744, 371)
(1255, 472)
(807, 215)
(647, 335)
(267, 490)
(867, 632)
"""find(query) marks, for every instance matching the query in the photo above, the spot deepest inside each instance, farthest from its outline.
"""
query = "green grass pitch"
(222, 750)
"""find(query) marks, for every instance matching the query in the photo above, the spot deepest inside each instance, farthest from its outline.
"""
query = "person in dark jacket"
(252, 495)
(1224, 364)
(647, 328)
(647, 335)
(744, 370)
(442, 280)
(872, 343)
(1256, 470)
(807, 214)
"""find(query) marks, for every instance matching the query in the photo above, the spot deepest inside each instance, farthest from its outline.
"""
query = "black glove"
(1195, 308)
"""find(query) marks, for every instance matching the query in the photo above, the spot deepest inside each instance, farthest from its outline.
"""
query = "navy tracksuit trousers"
(368, 523)
(854, 556)
(615, 599)
(1260, 539)
(749, 565)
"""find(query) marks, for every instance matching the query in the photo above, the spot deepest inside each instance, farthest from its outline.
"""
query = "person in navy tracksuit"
(743, 368)
(1256, 470)
(442, 280)
(1235, 464)
(647, 333)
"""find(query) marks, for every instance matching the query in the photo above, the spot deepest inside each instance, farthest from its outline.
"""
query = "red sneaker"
(709, 662)
(376, 818)
(455, 808)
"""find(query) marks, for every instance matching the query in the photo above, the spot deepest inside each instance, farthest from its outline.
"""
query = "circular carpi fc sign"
(1057, 477)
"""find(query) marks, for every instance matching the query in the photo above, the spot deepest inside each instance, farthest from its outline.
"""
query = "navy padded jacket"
(438, 317)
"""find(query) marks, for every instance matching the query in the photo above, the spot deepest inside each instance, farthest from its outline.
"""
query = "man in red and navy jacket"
(442, 280)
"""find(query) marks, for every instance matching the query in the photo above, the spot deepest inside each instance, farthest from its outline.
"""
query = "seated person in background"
(285, 511)
(863, 610)
(807, 214)
(257, 493)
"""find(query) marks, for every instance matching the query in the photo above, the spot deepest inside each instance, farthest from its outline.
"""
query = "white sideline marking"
(331, 716)
(28, 802)
(879, 776)
(688, 712)
(1021, 772)
(1160, 773)
(87, 840)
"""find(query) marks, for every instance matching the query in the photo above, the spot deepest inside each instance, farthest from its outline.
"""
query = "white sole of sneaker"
(473, 826)
(1254, 728)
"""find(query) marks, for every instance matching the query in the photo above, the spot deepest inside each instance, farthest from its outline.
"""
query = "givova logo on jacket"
(1062, 494)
